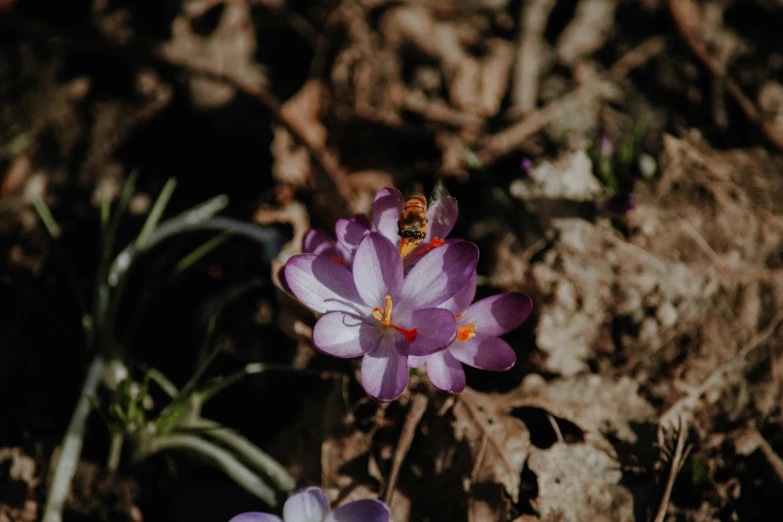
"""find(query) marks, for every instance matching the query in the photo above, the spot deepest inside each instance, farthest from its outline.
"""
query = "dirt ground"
(647, 385)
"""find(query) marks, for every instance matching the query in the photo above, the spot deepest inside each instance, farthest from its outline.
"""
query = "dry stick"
(506, 141)
(774, 460)
(678, 459)
(418, 407)
(715, 377)
(533, 17)
(682, 13)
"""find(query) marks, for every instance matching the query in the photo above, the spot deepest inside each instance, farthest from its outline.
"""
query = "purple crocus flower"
(477, 343)
(441, 216)
(312, 505)
(378, 314)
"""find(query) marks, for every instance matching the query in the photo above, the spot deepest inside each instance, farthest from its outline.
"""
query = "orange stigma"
(337, 260)
(432, 244)
(384, 316)
(466, 332)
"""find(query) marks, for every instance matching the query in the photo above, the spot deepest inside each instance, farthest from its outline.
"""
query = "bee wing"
(438, 192)
(441, 213)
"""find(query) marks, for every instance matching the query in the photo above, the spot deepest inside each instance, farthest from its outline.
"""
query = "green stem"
(115, 451)
(72, 445)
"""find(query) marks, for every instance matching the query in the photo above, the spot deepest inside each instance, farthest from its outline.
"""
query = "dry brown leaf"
(499, 443)
(292, 160)
(228, 50)
(579, 482)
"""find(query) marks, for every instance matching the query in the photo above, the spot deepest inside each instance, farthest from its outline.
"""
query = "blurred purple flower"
(312, 505)
(605, 148)
(441, 216)
(477, 343)
(379, 314)
(619, 204)
(526, 165)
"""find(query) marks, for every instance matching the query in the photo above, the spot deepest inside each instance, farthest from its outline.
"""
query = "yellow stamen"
(385, 318)
(460, 315)
(466, 332)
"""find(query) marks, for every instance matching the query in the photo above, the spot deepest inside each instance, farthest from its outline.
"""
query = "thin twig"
(506, 141)
(676, 462)
(418, 407)
(772, 457)
(72, 445)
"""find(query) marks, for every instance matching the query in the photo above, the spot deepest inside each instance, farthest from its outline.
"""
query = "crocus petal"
(462, 299)
(441, 216)
(377, 270)
(350, 232)
(445, 372)
(255, 517)
(436, 328)
(441, 273)
(498, 314)
(484, 352)
(385, 371)
(345, 335)
(369, 510)
(321, 284)
(416, 361)
(386, 210)
(318, 242)
(307, 505)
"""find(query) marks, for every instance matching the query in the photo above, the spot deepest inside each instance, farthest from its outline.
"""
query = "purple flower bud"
(618, 204)
(526, 164)
(312, 505)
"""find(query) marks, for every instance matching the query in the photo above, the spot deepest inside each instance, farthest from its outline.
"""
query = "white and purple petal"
(350, 233)
(254, 516)
(322, 284)
(345, 335)
(439, 275)
(306, 505)
(445, 372)
(377, 270)
(462, 299)
(385, 371)
(485, 352)
(441, 217)
(386, 210)
(436, 329)
(369, 510)
(317, 241)
(498, 314)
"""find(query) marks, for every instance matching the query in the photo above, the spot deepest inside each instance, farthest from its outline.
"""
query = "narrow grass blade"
(219, 458)
(155, 214)
(249, 452)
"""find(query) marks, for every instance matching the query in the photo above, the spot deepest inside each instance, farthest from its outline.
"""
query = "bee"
(412, 225)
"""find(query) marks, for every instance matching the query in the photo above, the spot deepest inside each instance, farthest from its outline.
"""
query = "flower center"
(384, 317)
(432, 244)
(466, 332)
